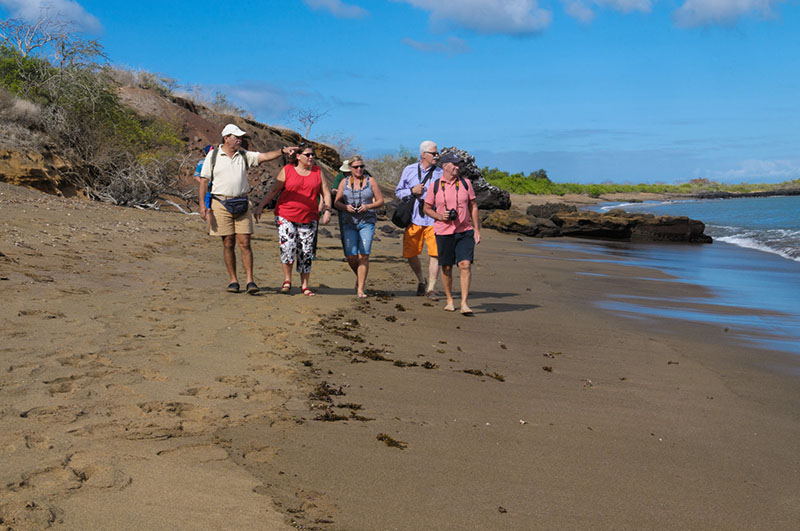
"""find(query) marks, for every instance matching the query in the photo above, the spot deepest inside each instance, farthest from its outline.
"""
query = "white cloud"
(260, 98)
(707, 12)
(583, 11)
(65, 11)
(337, 8)
(578, 10)
(510, 17)
(453, 46)
(755, 170)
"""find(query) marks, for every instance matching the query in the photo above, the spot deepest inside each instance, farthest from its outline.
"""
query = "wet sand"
(136, 394)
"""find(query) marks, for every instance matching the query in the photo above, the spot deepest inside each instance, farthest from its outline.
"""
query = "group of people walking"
(445, 217)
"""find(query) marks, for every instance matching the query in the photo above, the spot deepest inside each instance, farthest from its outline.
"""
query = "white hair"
(426, 145)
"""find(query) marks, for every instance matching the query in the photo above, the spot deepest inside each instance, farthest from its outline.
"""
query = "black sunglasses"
(434, 153)
(357, 167)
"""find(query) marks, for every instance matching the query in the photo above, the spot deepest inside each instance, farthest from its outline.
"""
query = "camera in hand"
(356, 206)
(452, 214)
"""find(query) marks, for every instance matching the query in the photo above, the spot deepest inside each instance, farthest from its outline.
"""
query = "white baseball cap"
(232, 129)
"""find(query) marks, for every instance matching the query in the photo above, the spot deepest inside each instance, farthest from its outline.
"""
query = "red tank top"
(299, 200)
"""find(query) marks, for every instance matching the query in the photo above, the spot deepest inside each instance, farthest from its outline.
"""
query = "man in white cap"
(225, 168)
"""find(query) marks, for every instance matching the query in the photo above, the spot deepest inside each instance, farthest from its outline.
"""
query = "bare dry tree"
(308, 117)
(26, 38)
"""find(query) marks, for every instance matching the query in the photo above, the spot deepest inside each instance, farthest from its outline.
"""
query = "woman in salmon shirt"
(301, 186)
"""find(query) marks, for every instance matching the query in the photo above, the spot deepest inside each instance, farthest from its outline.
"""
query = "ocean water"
(768, 224)
(752, 269)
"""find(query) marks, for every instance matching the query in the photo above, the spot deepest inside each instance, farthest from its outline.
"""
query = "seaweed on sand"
(324, 392)
(375, 354)
(330, 416)
(392, 443)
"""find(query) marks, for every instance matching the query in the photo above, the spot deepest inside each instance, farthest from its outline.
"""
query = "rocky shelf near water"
(556, 219)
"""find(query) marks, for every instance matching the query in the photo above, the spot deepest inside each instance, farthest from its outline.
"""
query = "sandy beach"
(136, 394)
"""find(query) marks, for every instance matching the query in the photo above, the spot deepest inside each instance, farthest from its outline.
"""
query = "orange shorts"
(413, 238)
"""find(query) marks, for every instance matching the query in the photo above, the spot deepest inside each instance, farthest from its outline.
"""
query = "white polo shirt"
(230, 174)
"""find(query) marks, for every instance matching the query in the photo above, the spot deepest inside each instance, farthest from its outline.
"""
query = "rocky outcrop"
(201, 126)
(552, 221)
(487, 196)
(32, 169)
(619, 225)
(513, 220)
(736, 195)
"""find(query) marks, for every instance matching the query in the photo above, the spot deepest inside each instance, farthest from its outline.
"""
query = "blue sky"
(590, 90)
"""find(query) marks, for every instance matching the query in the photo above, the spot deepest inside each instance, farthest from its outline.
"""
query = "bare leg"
(447, 280)
(304, 280)
(416, 267)
(433, 273)
(465, 269)
(287, 272)
(229, 255)
(247, 255)
(363, 269)
(352, 261)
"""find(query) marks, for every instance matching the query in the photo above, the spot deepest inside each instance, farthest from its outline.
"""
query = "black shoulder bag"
(404, 211)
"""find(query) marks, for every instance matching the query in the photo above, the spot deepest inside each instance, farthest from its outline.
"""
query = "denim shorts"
(455, 248)
(358, 238)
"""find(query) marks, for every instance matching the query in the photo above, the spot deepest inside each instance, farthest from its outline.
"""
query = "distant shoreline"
(523, 201)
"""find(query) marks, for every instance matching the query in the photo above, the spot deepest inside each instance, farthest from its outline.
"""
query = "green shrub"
(115, 155)
(538, 183)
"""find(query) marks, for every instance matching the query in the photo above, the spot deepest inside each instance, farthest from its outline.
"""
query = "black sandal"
(251, 288)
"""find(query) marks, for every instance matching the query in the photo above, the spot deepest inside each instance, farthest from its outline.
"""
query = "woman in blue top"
(357, 197)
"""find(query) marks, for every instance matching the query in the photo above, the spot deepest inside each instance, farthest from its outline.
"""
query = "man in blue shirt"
(199, 168)
(415, 180)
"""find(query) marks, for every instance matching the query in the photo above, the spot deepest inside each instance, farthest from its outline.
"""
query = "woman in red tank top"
(297, 214)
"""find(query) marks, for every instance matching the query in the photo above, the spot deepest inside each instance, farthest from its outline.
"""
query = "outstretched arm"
(272, 155)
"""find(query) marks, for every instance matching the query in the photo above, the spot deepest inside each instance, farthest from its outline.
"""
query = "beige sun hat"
(345, 167)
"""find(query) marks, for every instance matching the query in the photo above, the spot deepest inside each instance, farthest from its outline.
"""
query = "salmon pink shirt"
(452, 195)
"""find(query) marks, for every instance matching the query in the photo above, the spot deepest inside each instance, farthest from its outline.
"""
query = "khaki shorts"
(413, 238)
(222, 223)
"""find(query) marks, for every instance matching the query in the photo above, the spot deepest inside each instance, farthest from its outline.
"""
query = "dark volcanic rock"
(553, 219)
(487, 196)
(619, 225)
(514, 221)
(548, 209)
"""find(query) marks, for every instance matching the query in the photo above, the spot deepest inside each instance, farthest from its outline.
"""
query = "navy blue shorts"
(455, 248)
